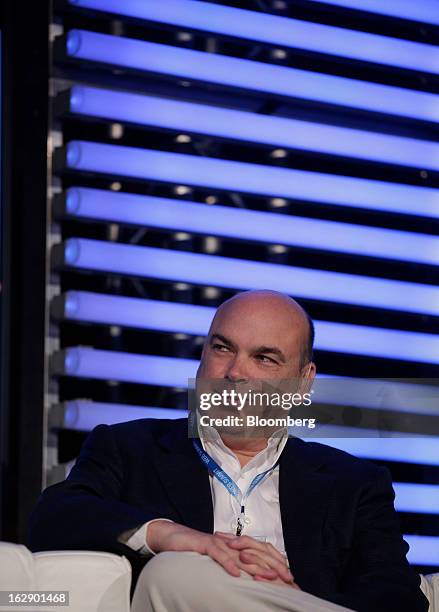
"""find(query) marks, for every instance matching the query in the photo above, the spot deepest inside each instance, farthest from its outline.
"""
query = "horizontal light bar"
(424, 550)
(278, 31)
(164, 264)
(251, 178)
(422, 450)
(398, 395)
(247, 74)
(195, 320)
(252, 127)
(137, 312)
(419, 498)
(84, 415)
(421, 10)
(270, 228)
(84, 362)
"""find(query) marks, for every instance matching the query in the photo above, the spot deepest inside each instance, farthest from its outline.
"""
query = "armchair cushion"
(96, 581)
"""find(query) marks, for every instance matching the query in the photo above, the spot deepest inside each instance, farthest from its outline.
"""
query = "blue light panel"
(84, 362)
(252, 127)
(421, 498)
(247, 74)
(195, 320)
(209, 270)
(83, 415)
(421, 10)
(424, 550)
(422, 450)
(251, 178)
(397, 395)
(278, 31)
(269, 228)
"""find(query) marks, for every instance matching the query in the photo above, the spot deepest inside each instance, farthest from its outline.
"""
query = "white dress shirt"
(261, 507)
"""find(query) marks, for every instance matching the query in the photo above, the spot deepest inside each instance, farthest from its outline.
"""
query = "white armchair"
(97, 582)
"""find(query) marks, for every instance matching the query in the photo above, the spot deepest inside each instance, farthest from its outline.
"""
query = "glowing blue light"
(74, 154)
(210, 270)
(399, 395)
(422, 450)
(267, 227)
(136, 312)
(421, 10)
(247, 74)
(276, 131)
(195, 320)
(378, 342)
(84, 362)
(424, 550)
(274, 30)
(253, 178)
(84, 415)
(421, 498)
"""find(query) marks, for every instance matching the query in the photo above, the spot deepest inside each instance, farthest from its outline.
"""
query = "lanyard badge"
(230, 484)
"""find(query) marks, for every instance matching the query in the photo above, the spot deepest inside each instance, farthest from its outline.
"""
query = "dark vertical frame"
(25, 55)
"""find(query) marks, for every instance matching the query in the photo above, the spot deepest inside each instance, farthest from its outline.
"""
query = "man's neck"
(244, 449)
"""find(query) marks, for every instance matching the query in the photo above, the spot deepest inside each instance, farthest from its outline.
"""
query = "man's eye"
(220, 347)
(265, 359)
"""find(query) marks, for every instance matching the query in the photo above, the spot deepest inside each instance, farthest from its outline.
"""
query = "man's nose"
(236, 370)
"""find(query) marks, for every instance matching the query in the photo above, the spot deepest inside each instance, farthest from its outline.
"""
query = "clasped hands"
(260, 560)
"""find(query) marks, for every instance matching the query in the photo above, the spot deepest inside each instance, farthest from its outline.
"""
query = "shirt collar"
(214, 445)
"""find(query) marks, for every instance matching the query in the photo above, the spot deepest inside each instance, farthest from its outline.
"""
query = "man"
(319, 527)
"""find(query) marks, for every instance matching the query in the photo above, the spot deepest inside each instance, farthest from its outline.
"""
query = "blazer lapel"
(185, 479)
(304, 495)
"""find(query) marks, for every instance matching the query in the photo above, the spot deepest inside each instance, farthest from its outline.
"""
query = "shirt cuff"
(138, 541)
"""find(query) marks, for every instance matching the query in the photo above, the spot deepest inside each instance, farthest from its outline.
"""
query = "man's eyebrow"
(222, 338)
(272, 350)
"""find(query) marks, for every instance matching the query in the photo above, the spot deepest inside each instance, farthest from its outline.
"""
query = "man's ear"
(307, 375)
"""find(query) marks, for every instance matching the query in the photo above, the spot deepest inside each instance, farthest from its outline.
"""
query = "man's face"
(257, 337)
(255, 344)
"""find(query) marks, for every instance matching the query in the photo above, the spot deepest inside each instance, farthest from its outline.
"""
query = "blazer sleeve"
(379, 577)
(84, 511)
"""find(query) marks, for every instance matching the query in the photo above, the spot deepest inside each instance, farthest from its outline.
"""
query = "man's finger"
(255, 569)
(276, 553)
(251, 556)
(223, 557)
(260, 578)
(229, 560)
(248, 543)
(241, 542)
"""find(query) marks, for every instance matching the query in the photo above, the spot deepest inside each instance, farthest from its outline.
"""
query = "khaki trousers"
(190, 582)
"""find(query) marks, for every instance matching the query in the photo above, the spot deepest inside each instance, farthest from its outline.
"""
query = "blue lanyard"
(229, 483)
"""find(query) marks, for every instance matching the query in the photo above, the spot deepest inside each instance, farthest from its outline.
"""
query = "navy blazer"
(341, 532)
